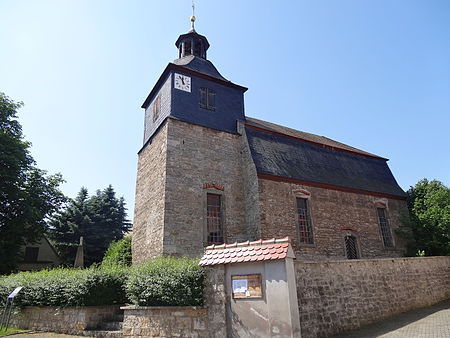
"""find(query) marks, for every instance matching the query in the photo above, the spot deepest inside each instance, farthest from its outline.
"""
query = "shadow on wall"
(257, 312)
(238, 328)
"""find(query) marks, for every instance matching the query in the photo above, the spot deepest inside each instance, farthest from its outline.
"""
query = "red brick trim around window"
(380, 204)
(301, 191)
(349, 228)
(327, 186)
(213, 186)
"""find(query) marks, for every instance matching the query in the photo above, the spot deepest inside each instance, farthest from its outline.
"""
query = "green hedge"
(67, 287)
(166, 281)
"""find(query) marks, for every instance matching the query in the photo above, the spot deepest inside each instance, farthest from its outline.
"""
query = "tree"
(68, 224)
(100, 219)
(109, 222)
(27, 194)
(429, 218)
(118, 253)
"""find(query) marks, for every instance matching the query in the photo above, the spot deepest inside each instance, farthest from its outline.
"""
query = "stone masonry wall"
(197, 159)
(344, 295)
(147, 241)
(143, 321)
(173, 321)
(251, 189)
(334, 214)
(69, 320)
(215, 301)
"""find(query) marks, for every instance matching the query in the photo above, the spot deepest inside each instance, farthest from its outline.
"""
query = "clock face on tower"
(183, 82)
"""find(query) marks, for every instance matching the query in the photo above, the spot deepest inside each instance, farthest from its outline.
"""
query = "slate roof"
(192, 33)
(317, 159)
(305, 136)
(256, 251)
(200, 65)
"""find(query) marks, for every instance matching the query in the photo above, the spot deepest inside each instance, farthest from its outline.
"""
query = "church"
(208, 174)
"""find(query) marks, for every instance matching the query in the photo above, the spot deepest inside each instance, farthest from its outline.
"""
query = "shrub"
(67, 287)
(118, 253)
(166, 281)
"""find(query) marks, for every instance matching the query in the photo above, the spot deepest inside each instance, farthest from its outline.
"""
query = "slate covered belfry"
(209, 174)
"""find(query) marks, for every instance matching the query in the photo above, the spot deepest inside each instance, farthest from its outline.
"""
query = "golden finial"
(193, 15)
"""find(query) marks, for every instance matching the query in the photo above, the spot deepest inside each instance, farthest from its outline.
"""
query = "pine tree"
(69, 224)
(100, 219)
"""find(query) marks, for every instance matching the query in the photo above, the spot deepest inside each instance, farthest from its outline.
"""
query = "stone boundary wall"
(153, 321)
(69, 320)
(344, 295)
(215, 301)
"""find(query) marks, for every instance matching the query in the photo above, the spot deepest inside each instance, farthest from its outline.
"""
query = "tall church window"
(156, 108)
(207, 99)
(304, 222)
(350, 247)
(385, 227)
(214, 219)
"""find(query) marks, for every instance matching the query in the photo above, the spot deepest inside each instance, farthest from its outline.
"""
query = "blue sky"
(371, 74)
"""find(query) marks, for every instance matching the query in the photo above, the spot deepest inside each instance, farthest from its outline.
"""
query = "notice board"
(246, 286)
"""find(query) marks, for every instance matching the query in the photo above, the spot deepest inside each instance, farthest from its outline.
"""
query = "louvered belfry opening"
(187, 48)
(192, 43)
(214, 219)
(350, 247)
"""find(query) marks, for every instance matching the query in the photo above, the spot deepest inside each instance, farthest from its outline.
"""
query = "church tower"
(208, 174)
(189, 189)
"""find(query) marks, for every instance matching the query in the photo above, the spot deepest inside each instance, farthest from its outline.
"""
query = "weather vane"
(193, 15)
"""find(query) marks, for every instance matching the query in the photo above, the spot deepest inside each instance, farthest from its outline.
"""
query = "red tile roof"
(256, 251)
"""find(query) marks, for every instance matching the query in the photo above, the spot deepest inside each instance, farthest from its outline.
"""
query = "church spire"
(192, 43)
(193, 16)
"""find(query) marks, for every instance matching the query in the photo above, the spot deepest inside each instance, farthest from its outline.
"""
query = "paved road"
(430, 322)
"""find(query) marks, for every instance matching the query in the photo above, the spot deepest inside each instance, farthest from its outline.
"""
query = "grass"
(10, 330)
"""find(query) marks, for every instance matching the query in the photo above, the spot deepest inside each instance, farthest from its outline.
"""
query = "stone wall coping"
(169, 308)
(371, 260)
(70, 307)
